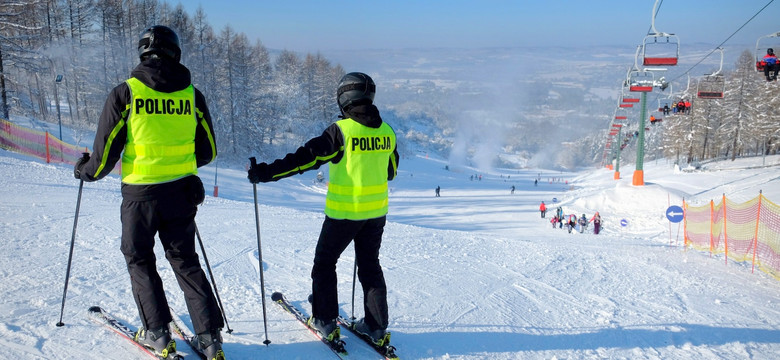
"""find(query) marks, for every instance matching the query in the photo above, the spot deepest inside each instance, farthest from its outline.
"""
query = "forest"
(60, 58)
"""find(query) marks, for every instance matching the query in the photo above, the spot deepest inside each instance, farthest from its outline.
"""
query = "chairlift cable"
(724, 41)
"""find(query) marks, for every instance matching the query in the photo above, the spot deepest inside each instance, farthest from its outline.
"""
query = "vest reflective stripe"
(357, 189)
(360, 191)
(160, 135)
(141, 150)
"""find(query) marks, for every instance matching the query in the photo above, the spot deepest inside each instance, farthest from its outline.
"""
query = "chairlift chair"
(762, 44)
(660, 53)
(640, 81)
(660, 48)
(712, 86)
(666, 100)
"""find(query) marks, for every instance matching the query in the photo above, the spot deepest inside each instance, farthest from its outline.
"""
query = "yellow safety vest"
(358, 182)
(160, 135)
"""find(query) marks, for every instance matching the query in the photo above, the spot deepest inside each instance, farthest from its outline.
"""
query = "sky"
(472, 275)
(312, 26)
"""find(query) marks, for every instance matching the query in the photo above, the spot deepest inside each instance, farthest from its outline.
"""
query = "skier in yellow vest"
(160, 127)
(361, 149)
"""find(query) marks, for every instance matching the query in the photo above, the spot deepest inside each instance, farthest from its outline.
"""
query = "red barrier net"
(746, 232)
(40, 144)
(36, 143)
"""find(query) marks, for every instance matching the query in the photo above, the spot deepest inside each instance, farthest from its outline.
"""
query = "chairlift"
(666, 100)
(640, 81)
(762, 46)
(659, 48)
(712, 86)
(625, 101)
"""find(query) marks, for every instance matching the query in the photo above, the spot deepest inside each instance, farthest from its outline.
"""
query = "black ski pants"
(770, 71)
(172, 217)
(334, 239)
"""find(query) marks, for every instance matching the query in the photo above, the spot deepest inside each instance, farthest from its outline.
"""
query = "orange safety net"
(39, 144)
(746, 232)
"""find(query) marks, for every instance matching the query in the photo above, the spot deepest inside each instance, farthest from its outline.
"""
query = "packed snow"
(473, 274)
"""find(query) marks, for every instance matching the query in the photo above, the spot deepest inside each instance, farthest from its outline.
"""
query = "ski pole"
(253, 162)
(354, 272)
(214, 283)
(72, 241)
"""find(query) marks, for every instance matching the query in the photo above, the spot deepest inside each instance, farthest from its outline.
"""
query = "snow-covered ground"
(473, 274)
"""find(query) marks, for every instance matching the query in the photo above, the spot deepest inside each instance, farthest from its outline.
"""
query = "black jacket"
(328, 147)
(161, 75)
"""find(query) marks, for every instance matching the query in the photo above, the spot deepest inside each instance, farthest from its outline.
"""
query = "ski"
(102, 317)
(183, 332)
(386, 350)
(337, 346)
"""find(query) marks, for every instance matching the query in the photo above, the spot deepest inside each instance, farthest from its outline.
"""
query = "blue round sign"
(555, 200)
(624, 222)
(674, 213)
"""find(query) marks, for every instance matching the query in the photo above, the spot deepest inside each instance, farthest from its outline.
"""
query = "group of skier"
(158, 124)
(559, 220)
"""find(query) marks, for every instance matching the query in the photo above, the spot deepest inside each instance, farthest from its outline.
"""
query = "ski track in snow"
(474, 274)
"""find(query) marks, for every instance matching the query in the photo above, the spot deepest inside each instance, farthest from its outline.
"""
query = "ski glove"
(259, 173)
(80, 165)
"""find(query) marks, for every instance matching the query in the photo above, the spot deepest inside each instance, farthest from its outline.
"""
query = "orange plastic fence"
(746, 232)
(39, 144)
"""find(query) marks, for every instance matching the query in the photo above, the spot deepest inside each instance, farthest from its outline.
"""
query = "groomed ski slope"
(473, 274)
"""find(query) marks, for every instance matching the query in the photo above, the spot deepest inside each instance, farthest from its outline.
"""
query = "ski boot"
(327, 328)
(378, 336)
(157, 340)
(209, 344)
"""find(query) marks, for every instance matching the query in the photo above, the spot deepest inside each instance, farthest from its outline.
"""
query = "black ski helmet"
(159, 40)
(770, 51)
(355, 88)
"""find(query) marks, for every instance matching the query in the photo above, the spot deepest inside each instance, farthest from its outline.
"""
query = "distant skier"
(438, 191)
(536, 181)
(583, 222)
(543, 209)
(596, 220)
(554, 221)
(571, 223)
(512, 191)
